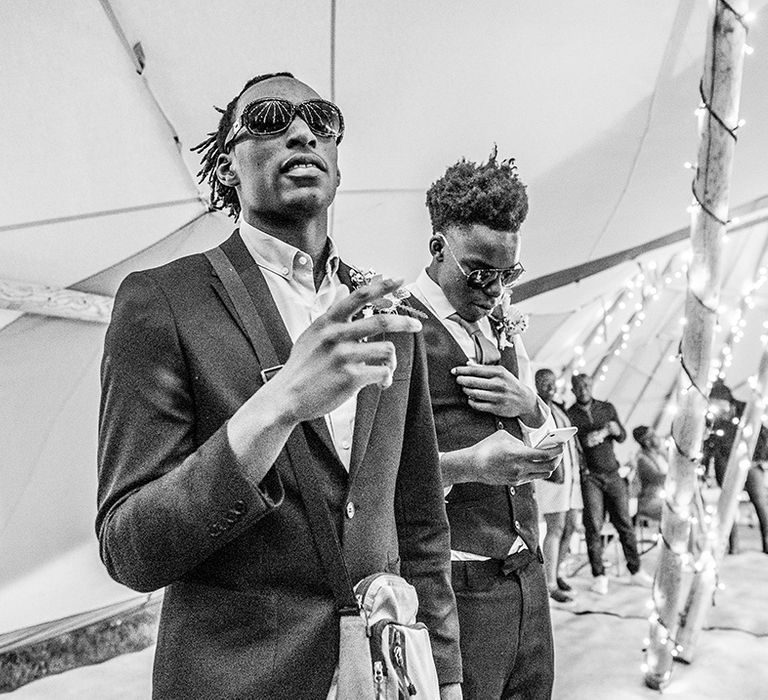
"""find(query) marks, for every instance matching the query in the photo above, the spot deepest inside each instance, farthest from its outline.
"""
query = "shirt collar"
(281, 257)
(434, 296)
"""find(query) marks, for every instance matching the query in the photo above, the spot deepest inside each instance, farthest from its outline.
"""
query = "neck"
(432, 272)
(309, 235)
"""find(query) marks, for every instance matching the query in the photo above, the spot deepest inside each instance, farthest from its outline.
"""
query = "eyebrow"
(478, 263)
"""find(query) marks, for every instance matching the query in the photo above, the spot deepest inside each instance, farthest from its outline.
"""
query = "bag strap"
(321, 524)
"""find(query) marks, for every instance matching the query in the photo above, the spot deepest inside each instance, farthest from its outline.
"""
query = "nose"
(494, 289)
(299, 134)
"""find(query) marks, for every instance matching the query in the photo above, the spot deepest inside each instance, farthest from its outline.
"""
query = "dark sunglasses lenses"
(267, 117)
(482, 278)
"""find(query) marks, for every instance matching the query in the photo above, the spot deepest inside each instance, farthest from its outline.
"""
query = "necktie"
(486, 352)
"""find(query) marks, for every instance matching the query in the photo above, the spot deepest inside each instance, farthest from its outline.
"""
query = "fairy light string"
(687, 523)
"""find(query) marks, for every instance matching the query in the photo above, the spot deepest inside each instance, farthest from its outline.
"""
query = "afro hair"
(490, 194)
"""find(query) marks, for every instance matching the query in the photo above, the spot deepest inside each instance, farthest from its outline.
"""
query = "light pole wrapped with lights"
(687, 547)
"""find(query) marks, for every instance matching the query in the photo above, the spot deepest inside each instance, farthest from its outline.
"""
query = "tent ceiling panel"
(67, 252)
(86, 137)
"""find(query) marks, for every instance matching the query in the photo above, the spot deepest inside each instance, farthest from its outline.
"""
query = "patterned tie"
(486, 352)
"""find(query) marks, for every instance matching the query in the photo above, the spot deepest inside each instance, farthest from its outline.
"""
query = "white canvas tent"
(595, 100)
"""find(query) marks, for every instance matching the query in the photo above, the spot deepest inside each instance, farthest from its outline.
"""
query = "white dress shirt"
(432, 296)
(289, 273)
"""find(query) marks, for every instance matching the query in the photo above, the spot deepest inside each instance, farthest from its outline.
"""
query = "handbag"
(384, 653)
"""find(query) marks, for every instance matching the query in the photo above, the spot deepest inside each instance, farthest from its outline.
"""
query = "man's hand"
(613, 428)
(451, 691)
(329, 363)
(494, 389)
(595, 437)
(499, 458)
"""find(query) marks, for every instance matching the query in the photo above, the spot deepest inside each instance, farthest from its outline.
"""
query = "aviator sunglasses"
(271, 115)
(483, 277)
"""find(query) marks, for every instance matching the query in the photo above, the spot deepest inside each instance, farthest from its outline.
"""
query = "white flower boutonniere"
(509, 321)
(391, 303)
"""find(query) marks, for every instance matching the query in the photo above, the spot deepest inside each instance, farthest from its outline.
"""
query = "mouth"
(485, 306)
(303, 163)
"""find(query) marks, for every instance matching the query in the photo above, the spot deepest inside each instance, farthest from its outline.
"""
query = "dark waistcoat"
(484, 519)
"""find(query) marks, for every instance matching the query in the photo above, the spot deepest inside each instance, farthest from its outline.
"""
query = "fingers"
(377, 324)
(371, 374)
(482, 395)
(485, 371)
(344, 309)
(380, 353)
(549, 455)
(488, 384)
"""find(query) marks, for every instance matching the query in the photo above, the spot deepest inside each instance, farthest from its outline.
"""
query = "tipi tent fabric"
(102, 101)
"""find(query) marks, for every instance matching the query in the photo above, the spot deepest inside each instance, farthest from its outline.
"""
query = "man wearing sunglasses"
(487, 416)
(197, 491)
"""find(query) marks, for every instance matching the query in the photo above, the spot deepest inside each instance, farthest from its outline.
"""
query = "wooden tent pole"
(703, 586)
(720, 89)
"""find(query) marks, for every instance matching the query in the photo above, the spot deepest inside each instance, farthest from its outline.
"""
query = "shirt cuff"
(532, 435)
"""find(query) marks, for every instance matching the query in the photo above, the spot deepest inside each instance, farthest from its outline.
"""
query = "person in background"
(487, 416)
(652, 467)
(724, 414)
(602, 488)
(197, 491)
(559, 495)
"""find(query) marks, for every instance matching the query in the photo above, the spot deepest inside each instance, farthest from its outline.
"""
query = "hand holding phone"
(555, 437)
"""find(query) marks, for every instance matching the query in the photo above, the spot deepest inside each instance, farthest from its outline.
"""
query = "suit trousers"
(601, 493)
(505, 630)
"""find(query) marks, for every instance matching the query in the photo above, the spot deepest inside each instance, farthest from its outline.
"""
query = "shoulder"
(179, 277)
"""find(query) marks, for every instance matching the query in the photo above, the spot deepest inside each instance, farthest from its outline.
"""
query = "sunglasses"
(486, 276)
(271, 115)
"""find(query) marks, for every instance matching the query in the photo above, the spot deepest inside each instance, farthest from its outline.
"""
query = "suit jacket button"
(239, 508)
(350, 510)
(500, 425)
(214, 530)
(517, 525)
(512, 490)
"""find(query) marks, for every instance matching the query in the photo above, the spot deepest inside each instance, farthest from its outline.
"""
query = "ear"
(436, 245)
(225, 170)
(338, 177)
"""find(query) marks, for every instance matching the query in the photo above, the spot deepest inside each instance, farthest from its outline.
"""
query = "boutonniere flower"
(392, 303)
(508, 320)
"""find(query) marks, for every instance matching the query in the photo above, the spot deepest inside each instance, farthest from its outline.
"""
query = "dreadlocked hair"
(223, 196)
(490, 194)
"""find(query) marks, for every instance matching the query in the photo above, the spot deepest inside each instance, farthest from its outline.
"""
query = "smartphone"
(556, 436)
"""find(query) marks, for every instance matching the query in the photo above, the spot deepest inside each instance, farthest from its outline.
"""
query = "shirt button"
(302, 260)
(512, 490)
(350, 510)
(285, 270)
(346, 445)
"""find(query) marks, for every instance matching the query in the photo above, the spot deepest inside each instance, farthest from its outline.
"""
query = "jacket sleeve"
(165, 503)
(422, 525)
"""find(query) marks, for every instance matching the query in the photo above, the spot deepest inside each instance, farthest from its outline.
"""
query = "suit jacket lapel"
(367, 402)
(258, 289)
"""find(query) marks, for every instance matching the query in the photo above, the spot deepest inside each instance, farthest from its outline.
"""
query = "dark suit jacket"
(247, 610)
